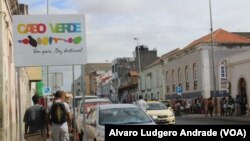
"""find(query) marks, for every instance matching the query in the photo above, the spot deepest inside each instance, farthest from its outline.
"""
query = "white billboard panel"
(45, 40)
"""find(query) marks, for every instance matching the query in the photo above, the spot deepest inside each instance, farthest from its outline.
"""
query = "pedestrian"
(141, 103)
(231, 104)
(58, 115)
(238, 105)
(222, 107)
(210, 107)
(35, 121)
(188, 105)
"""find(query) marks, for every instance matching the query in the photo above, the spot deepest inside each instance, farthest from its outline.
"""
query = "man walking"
(141, 103)
(59, 116)
(35, 121)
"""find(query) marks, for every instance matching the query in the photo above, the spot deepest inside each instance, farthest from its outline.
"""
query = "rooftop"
(221, 36)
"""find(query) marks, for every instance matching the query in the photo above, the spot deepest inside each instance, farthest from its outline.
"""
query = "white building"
(12, 101)
(238, 67)
(153, 80)
(104, 85)
(191, 69)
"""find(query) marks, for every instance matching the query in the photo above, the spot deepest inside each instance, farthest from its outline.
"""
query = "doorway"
(242, 90)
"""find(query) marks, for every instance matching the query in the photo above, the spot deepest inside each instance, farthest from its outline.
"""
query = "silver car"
(113, 114)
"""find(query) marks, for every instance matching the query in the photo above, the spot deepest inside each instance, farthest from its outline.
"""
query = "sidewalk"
(243, 118)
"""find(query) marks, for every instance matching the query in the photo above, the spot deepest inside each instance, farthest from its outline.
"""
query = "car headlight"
(154, 117)
(171, 115)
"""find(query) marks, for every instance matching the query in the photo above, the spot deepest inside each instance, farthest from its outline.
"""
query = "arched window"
(187, 78)
(223, 74)
(195, 76)
(223, 71)
(167, 81)
(180, 77)
(173, 84)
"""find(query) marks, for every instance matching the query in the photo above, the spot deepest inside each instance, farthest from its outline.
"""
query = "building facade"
(91, 71)
(13, 101)
(144, 56)
(125, 84)
(192, 67)
(153, 82)
(237, 67)
(104, 85)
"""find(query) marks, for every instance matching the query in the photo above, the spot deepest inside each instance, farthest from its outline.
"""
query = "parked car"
(78, 98)
(160, 113)
(83, 109)
(101, 115)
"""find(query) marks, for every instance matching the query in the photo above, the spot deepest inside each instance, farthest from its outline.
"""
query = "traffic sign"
(46, 90)
(178, 90)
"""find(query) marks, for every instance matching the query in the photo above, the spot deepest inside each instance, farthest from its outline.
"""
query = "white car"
(160, 113)
(101, 115)
(83, 109)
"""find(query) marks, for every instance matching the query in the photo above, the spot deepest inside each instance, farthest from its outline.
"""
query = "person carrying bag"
(35, 121)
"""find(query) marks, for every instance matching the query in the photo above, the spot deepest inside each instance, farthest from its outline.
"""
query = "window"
(167, 81)
(180, 77)
(223, 75)
(173, 85)
(172, 76)
(194, 72)
(186, 73)
(195, 76)
(187, 78)
(173, 88)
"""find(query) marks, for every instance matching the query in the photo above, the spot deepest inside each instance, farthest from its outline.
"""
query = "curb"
(227, 118)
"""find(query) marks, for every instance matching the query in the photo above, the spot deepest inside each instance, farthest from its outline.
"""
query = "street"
(202, 120)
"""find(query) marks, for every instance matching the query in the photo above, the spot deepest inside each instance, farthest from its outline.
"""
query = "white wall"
(239, 67)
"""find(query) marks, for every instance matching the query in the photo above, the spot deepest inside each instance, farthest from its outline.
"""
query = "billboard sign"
(45, 40)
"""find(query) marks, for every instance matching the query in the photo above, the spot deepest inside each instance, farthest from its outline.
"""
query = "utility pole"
(213, 57)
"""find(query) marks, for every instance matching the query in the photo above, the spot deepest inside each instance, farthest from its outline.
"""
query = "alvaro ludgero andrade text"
(161, 134)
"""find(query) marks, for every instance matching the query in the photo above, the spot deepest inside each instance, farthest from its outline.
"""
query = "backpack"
(58, 113)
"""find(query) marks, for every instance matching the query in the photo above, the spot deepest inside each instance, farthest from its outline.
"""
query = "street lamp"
(213, 56)
(139, 64)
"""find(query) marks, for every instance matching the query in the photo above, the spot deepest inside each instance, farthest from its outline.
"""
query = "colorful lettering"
(65, 27)
(31, 28)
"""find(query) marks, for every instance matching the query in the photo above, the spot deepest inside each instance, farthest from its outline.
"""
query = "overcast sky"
(111, 25)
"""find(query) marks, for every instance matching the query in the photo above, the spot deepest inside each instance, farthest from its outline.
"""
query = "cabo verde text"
(161, 134)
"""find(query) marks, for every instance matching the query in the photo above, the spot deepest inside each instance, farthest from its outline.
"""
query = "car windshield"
(156, 106)
(123, 116)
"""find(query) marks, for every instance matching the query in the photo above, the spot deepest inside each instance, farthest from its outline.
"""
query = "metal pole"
(163, 81)
(47, 66)
(74, 111)
(213, 56)
(47, 7)
(83, 102)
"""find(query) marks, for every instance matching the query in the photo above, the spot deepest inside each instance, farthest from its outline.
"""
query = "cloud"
(111, 25)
